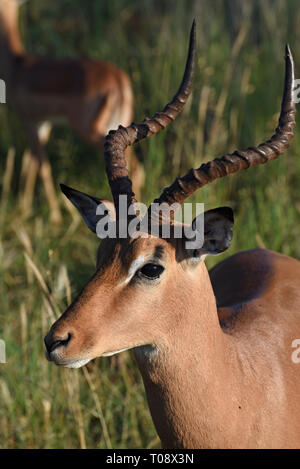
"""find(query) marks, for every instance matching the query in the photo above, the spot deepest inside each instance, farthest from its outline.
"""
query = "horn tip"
(288, 53)
(193, 28)
(289, 61)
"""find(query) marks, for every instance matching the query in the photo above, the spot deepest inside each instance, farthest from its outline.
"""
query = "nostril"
(53, 342)
(60, 341)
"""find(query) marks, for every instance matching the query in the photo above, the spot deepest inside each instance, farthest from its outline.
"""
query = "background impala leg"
(39, 135)
(46, 176)
(30, 168)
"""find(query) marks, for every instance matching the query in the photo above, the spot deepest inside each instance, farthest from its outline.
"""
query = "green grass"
(235, 103)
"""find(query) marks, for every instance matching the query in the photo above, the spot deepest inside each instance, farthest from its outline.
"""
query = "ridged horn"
(185, 186)
(117, 141)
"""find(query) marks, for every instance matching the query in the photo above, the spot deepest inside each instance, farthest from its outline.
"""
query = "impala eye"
(151, 271)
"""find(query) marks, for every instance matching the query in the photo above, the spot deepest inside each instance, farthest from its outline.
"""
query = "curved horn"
(117, 141)
(231, 163)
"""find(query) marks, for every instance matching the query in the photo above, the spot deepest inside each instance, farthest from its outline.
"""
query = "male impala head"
(132, 299)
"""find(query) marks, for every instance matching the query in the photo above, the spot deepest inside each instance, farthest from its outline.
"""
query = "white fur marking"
(109, 354)
(77, 363)
(133, 268)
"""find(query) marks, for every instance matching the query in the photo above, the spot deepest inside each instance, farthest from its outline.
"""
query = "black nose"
(53, 341)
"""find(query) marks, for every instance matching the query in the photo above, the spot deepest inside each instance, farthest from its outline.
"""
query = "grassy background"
(235, 103)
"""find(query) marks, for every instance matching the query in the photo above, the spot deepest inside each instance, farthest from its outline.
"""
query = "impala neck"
(192, 363)
(10, 41)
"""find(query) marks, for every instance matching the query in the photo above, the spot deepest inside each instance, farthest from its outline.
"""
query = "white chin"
(77, 363)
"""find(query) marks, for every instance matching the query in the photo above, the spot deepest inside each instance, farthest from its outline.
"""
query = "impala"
(91, 96)
(214, 349)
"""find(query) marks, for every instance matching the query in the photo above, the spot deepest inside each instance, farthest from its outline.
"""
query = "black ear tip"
(225, 212)
(228, 213)
(66, 190)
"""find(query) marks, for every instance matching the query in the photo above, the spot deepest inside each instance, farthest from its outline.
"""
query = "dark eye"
(151, 271)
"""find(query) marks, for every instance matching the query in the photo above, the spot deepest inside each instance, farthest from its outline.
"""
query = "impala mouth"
(66, 362)
(56, 357)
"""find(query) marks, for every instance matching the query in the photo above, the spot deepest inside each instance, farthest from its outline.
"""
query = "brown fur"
(209, 385)
(214, 351)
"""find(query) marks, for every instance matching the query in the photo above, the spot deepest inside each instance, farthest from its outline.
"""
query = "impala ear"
(218, 231)
(87, 206)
